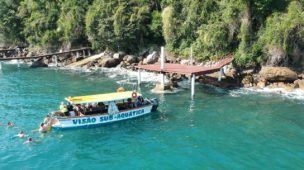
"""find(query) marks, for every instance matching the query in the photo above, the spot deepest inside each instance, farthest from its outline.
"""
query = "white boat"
(102, 109)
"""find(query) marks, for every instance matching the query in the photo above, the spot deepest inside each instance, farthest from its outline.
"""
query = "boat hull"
(99, 120)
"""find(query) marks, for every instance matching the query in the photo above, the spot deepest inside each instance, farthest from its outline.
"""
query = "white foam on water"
(131, 75)
(14, 62)
(296, 94)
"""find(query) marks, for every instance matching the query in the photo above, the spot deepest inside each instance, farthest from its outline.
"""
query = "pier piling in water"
(138, 77)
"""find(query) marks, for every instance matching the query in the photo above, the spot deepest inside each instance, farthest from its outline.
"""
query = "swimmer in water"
(47, 119)
(21, 134)
(42, 128)
(30, 140)
(10, 124)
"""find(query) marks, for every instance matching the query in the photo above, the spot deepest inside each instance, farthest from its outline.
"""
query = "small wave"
(295, 94)
(14, 62)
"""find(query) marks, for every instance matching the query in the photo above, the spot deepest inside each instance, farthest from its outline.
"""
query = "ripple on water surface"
(217, 130)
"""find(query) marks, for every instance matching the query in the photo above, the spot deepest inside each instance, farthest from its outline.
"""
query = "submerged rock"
(276, 74)
(167, 86)
(38, 63)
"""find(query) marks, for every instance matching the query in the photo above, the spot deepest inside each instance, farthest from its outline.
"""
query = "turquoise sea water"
(219, 129)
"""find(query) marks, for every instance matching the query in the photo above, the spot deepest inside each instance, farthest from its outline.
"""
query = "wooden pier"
(188, 70)
(85, 51)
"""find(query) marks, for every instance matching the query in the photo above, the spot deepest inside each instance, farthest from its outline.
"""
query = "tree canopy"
(213, 28)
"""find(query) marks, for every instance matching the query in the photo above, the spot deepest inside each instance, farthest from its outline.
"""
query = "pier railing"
(85, 52)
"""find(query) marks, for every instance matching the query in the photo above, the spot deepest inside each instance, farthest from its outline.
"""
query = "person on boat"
(79, 110)
(138, 102)
(130, 104)
(90, 107)
(71, 111)
(30, 140)
(10, 124)
(63, 108)
(21, 134)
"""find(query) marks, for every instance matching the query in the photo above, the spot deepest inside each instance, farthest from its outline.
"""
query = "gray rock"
(108, 62)
(118, 56)
(38, 63)
(151, 58)
(131, 59)
(185, 62)
(299, 84)
(277, 57)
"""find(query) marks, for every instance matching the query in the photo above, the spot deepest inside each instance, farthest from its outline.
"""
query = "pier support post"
(18, 63)
(162, 58)
(192, 85)
(138, 77)
(83, 53)
(0, 65)
(162, 81)
(221, 73)
(56, 60)
(77, 54)
(89, 52)
(191, 57)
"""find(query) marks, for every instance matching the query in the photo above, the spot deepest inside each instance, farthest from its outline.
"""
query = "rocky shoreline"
(265, 77)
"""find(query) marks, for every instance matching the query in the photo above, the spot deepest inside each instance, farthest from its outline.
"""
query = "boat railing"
(99, 114)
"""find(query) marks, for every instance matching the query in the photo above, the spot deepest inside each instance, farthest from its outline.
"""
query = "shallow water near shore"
(218, 129)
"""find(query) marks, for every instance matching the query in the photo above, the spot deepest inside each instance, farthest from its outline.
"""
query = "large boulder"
(151, 58)
(130, 59)
(278, 74)
(119, 56)
(108, 62)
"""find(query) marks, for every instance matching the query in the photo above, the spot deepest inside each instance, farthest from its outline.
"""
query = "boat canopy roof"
(101, 97)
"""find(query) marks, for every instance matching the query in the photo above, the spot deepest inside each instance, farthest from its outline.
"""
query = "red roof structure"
(187, 69)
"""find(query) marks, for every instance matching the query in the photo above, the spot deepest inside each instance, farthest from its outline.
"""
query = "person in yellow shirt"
(63, 108)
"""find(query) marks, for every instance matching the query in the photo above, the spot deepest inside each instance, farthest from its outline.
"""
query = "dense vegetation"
(250, 29)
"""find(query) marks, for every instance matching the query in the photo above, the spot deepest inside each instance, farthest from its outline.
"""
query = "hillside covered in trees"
(255, 31)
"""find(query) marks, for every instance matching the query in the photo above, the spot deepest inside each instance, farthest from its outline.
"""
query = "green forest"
(249, 29)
